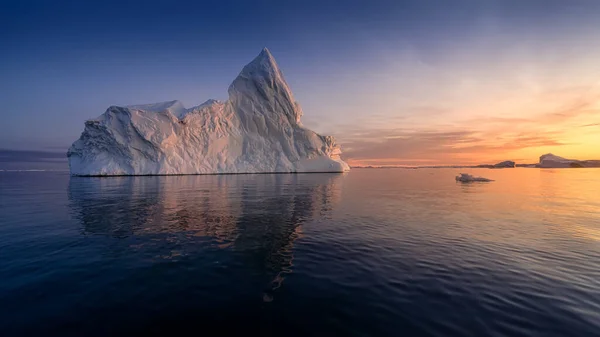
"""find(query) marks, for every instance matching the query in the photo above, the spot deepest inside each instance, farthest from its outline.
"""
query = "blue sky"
(397, 82)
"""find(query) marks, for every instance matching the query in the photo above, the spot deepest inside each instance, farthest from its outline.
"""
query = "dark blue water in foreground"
(386, 252)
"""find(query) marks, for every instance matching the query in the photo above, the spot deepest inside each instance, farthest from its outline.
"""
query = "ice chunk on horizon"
(549, 160)
(467, 178)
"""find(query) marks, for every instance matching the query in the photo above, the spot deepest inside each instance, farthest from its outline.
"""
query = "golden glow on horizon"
(486, 99)
(564, 121)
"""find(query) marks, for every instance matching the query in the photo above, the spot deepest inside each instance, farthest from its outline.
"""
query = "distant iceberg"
(505, 164)
(467, 178)
(552, 161)
(257, 130)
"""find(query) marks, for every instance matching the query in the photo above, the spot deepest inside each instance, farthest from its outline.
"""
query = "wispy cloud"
(440, 147)
(478, 139)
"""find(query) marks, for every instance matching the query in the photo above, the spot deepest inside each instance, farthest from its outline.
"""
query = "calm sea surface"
(375, 252)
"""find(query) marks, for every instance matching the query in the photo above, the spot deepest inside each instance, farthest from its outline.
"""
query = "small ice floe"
(467, 178)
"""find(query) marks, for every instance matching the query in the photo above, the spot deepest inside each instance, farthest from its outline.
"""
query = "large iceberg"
(256, 130)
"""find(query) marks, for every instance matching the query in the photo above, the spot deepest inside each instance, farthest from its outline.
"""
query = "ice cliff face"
(257, 130)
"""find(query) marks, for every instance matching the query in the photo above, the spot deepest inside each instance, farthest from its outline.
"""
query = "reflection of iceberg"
(467, 178)
(253, 219)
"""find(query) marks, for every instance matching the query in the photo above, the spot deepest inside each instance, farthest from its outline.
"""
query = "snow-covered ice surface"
(467, 178)
(257, 130)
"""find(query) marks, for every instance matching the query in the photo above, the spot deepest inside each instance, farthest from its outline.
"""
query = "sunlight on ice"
(257, 130)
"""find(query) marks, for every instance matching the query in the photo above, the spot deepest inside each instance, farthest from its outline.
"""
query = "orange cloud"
(478, 139)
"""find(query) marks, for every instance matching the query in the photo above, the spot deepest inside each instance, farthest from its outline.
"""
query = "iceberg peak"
(261, 88)
(266, 53)
(265, 59)
(262, 66)
(261, 71)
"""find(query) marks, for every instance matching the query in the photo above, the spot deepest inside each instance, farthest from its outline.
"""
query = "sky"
(396, 82)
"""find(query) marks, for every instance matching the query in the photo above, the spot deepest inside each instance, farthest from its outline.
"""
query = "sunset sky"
(396, 82)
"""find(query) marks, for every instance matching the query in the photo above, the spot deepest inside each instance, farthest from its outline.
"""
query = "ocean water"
(374, 252)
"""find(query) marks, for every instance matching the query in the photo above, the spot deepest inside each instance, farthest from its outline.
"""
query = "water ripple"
(370, 253)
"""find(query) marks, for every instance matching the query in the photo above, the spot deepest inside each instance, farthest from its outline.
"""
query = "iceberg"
(257, 130)
(467, 178)
(505, 164)
(552, 161)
